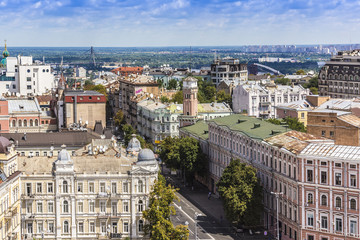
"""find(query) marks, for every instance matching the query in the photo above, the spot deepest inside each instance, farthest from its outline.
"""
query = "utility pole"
(277, 194)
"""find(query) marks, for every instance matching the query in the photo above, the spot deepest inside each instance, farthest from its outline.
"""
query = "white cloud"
(37, 5)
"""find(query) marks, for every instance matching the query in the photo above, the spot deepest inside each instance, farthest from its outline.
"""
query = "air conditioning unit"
(338, 209)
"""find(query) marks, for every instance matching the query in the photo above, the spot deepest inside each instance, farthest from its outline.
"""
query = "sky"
(130, 23)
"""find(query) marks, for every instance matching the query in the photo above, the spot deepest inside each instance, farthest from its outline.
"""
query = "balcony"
(116, 235)
(27, 196)
(102, 196)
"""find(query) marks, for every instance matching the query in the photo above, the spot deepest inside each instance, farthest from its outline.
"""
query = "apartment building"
(10, 190)
(318, 180)
(260, 100)
(98, 193)
(229, 69)
(339, 77)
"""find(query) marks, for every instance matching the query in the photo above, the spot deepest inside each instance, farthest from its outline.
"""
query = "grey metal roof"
(23, 105)
(339, 152)
(82, 93)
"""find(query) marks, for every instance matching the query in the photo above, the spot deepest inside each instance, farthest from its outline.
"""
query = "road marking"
(179, 207)
(178, 219)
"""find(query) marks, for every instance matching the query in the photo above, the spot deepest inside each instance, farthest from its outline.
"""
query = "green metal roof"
(200, 129)
(250, 126)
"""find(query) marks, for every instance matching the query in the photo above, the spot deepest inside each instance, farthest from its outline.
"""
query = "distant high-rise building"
(228, 69)
(339, 77)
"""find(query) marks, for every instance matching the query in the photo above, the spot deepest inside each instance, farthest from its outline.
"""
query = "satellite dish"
(178, 108)
(151, 95)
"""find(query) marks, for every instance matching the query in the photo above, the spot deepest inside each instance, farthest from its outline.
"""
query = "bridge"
(276, 72)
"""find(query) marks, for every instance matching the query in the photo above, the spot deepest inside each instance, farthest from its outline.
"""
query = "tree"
(178, 97)
(98, 88)
(160, 82)
(172, 84)
(128, 131)
(314, 90)
(293, 123)
(221, 96)
(119, 118)
(241, 193)
(157, 215)
(88, 83)
(164, 99)
(300, 72)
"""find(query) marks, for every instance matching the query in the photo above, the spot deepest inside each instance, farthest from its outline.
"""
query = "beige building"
(84, 108)
(98, 193)
(10, 190)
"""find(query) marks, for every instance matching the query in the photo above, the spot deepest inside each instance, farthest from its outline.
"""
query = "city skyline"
(113, 23)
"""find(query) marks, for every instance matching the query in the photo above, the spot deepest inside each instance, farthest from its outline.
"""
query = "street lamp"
(277, 194)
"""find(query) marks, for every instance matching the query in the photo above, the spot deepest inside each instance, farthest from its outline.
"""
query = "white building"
(80, 72)
(260, 100)
(22, 76)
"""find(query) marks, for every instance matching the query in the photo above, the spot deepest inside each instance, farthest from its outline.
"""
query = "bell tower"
(190, 102)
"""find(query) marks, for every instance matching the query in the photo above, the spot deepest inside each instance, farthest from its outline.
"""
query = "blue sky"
(125, 23)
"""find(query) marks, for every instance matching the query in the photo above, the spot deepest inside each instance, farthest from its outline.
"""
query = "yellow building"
(10, 190)
(95, 194)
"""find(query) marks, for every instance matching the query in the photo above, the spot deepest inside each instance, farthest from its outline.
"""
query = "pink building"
(4, 116)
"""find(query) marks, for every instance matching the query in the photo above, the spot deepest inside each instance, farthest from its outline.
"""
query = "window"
(353, 227)
(81, 227)
(324, 222)
(141, 225)
(29, 227)
(65, 206)
(65, 187)
(39, 207)
(140, 206)
(92, 227)
(28, 79)
(309, 175)
(126, 227)
(338, 165)
(323, 200)
(50, 207)
(113, 187)
(102, 187)
(331, 133)
(103, 227)
(80, 187)
(28, 207)
(140, 186)
(39, 187)
(352, 180)
(337, 178)
(40, 226)
(25, 123)
(91, 187)
(114, 208)
(114, 227)
(91, 207)
(80, 207)
(125, 187)
(51, 227)
(28, 87)
(20, 123)
(353, 204)
(323, 177)
(50, 188)
(338, 202)
(310, 219)
(66, 227)
(338, 225)
(102, 207)
(36, 122)
(310, 198)
(126, 207)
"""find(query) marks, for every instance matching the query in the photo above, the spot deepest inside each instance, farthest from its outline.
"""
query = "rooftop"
(81, 93)
(350, 119)
(338, 152)
(301, 104)
(250, 126)
(200, 129)
(295, 141)
(56, 139)
(23, 105)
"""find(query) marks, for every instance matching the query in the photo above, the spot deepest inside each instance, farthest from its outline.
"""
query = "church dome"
(146, 156)
(63, 154)
(4, 144)
(134, 144)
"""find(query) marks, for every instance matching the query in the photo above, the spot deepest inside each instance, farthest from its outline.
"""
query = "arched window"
(65, 187)
(20, 123)
(353, 204)
(66, 227)
(351, 77)
(31, 123)
(140, 206)
(140, 186)
(338, 202)
(310, 198)
(36, 122)
(13, 123)
(323, 200)
(65, 207)
(25, 123)
(141, 225)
